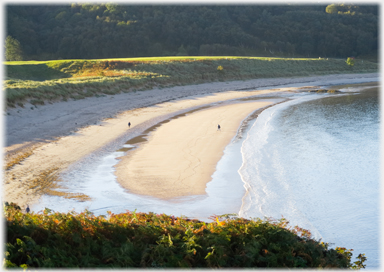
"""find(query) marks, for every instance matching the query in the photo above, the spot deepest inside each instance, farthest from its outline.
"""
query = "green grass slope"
(148, 240)
(39, 82)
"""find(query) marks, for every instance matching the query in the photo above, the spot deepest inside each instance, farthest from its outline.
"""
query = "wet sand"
(180, 156)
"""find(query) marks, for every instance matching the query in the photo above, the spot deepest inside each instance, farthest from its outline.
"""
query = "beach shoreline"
(179, 158)
(110, 116)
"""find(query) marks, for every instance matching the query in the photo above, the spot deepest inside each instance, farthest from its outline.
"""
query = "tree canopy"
(13, 49)
(81, 31)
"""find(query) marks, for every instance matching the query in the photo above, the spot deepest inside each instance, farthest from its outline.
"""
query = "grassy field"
(38, 82)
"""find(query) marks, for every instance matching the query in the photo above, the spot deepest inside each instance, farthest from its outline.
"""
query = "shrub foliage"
(51, 239)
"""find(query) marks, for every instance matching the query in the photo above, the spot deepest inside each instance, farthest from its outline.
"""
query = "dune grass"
(39, 82)
(12, 160)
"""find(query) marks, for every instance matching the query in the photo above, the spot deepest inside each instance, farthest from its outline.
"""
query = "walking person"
(218, 127)
(129, 124)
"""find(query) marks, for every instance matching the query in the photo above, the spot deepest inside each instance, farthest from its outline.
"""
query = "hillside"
(49, 81)
(84, 31)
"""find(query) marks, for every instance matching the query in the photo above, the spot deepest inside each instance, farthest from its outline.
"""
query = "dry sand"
(60, 134)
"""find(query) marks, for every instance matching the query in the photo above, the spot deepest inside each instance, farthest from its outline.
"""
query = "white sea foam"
(268, 193)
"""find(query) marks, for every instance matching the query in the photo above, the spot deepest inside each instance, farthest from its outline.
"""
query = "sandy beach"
(63, 133)
(180, 156)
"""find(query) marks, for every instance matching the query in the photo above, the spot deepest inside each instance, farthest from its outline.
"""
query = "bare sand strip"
(180, 157)
(26, 126)
(27, 181)
(41, 123)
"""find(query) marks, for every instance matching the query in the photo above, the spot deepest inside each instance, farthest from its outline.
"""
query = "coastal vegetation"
(39, 82)
(147, 240)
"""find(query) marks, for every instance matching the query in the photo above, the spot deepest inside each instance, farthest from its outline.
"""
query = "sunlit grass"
(155, 59)
(38, 82)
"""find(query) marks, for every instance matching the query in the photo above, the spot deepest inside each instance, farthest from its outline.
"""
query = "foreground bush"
(146, 240)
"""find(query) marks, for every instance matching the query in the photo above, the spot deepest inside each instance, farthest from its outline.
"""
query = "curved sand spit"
(180, 157)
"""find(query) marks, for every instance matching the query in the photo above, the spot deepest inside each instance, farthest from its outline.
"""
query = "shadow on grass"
(37, 72)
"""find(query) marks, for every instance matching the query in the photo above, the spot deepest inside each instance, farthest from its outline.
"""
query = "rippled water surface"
(316, 162)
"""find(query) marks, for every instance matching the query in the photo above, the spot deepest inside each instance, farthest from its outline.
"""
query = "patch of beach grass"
(47, 182)
(12, 160)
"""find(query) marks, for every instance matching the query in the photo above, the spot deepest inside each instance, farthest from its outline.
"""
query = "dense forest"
(86, 31)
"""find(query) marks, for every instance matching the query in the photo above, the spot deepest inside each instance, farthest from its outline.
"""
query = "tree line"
(85, 31)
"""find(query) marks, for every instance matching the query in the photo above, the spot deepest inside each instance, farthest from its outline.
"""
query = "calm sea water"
(315, 161)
